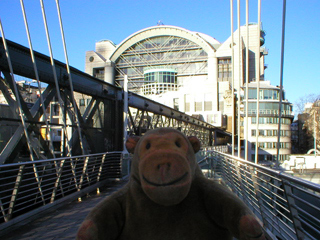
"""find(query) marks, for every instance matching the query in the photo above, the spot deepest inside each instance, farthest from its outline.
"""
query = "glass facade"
(269, 108)
(270, 120)
(265, 94)
(157, 81)
(271, 133)
(160, 77)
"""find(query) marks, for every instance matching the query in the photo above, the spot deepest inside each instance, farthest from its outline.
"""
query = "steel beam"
(82, 82)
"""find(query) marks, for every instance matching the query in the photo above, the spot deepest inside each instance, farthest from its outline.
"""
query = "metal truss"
(145, 114)
(102, 105)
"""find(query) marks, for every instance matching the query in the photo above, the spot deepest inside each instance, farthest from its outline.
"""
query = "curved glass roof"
(188, 58)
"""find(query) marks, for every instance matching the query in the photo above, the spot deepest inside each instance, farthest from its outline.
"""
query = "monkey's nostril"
(164, 166)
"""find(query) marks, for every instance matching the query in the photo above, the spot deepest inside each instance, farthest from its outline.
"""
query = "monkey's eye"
(178, 144)
(148, 146)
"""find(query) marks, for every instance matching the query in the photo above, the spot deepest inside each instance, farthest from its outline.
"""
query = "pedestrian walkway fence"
(288, 207)
(27, 187)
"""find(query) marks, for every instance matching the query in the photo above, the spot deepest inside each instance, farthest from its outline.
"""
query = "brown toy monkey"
(168, 198)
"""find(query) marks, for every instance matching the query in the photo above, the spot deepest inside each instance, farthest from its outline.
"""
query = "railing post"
(101, 167)
(293, 211)
(15, 192)
(84, 172)
(56, 184)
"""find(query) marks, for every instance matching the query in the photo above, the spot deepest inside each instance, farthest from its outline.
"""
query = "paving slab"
(64, 222)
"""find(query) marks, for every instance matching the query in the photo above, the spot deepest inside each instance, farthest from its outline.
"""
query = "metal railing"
(27, 186)
(289, 207)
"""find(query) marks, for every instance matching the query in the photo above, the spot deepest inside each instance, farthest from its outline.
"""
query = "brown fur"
(168, 198)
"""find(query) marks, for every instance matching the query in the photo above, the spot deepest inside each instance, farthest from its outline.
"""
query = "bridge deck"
(64, 222)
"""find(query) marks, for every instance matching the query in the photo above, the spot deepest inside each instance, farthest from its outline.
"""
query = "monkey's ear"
(131, 143)
(195, 143)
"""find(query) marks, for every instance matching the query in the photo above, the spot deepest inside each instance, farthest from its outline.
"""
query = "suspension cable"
(258, 83)
(48, 129)
(281, 80)
(247, 79)
(70, 79)
(61, 104)
(16, 92)
(232, 84)
(238, 90)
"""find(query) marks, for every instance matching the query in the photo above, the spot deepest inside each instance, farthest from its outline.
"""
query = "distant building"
(188, 71)
(295, 137)
(268, 122)
(307, 126)
(10, 119)
(29, 93)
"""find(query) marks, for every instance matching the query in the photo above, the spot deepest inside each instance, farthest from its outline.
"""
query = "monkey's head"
(164, 164)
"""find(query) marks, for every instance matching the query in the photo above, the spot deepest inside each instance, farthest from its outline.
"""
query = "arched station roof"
(204, 41)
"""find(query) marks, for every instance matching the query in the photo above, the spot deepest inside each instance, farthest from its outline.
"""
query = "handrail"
(289, 207)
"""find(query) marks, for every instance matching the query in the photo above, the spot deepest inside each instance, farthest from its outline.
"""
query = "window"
(198, 103)
(98, 73)
(160, 77)
(269, 145)
(224, 69)
(198, 106)
(176, 103)
(210, 118)
(269, 157)
(221, 101)
(187, 102)
(252, 93)
(82, 102)
(253, 146)
(208, 102)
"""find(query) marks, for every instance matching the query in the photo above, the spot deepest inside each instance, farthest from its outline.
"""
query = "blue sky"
(86, 22)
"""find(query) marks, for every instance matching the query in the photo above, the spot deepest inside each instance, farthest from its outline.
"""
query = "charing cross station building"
(192, 72)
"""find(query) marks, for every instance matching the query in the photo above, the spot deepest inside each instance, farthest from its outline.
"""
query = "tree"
(302, 101)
